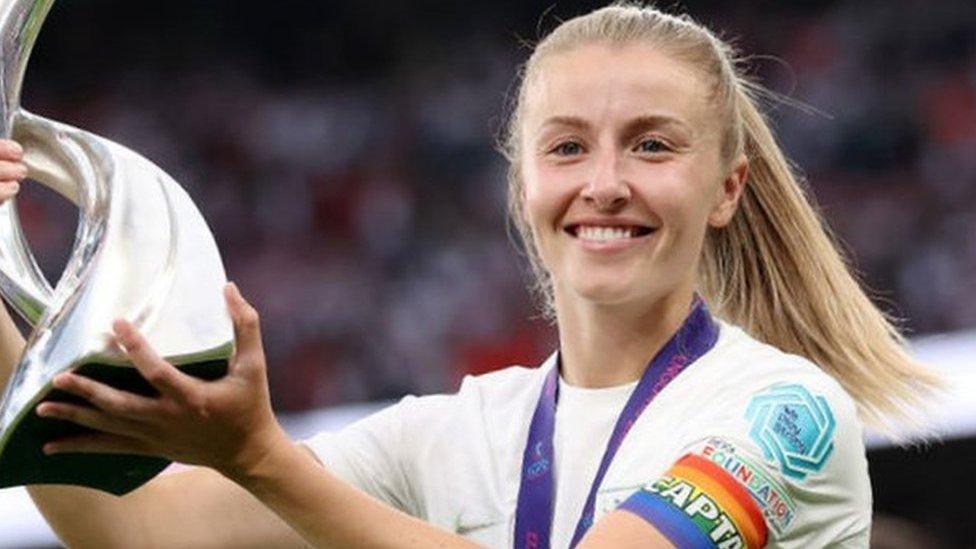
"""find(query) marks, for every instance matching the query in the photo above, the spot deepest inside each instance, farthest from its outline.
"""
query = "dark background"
(342, 153)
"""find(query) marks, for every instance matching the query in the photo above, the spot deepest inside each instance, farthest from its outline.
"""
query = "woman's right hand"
(12, 169)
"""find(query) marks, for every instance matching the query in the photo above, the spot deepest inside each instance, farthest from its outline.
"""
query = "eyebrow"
(646, 122)
(570, 121)
(633, 126)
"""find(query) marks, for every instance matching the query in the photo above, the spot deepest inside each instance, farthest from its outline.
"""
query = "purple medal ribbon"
(533, 516)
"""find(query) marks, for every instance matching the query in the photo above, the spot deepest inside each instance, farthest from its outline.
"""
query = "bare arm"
(11, 345)
(623, 530)
(12, 171)
(195, 508)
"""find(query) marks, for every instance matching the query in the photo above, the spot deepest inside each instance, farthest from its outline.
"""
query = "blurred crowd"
(345, 162)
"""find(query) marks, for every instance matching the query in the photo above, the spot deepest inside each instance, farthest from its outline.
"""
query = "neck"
(608, 345)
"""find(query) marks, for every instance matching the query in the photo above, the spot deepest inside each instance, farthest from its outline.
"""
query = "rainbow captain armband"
(698, 504)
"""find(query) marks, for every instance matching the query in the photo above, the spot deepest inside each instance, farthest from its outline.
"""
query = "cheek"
(544, 196)
(682, 198)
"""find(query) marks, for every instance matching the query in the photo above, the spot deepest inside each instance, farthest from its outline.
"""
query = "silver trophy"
(142, 251)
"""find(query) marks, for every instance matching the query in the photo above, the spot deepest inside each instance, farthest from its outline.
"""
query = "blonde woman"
(715, 362)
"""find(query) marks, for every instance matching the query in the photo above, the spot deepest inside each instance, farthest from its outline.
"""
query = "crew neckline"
(582, 392)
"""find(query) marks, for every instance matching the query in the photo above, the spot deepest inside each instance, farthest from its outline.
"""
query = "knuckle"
(200, 406)
(134, 345)
(70, 413)
(157, 375)
(100, 400)
(251, 317)
(170, 409)
(83, 388)
(121, 405)
(12, 148)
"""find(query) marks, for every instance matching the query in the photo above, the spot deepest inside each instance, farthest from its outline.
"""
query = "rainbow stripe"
(697, 501)
(669, 520)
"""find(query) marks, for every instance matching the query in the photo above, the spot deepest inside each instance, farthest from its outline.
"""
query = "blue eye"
(651, 146)
(568, 148)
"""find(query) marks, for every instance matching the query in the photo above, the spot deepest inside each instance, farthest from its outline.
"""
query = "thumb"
(247, 329)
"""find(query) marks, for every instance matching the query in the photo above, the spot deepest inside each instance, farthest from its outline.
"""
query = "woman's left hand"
(226, 424)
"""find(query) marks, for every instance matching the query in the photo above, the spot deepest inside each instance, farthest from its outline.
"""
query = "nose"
(606, 189)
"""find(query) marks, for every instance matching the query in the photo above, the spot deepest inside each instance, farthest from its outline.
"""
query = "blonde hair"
(774, 270)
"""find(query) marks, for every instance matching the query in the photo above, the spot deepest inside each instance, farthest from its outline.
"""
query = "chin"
(605, 290)
(618, 286)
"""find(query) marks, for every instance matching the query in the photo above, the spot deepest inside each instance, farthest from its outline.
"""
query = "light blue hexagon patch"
(794, 428)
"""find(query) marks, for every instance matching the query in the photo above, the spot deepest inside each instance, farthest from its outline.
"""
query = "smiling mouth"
(607, 233)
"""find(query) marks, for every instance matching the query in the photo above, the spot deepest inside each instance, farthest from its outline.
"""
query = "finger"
(12, 171)
(160, 374)
(86, 417)
(247, 327)
(8, 190)
(97, 443)
(10, 150)
(106, 398)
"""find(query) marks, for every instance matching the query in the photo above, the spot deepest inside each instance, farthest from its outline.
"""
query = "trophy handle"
(64, 172)
(21, 280)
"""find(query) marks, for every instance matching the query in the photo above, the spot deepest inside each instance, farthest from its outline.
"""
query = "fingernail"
(16, 148)
(49, 449)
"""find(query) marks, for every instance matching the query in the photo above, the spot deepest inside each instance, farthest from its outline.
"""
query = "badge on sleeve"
(794, 428)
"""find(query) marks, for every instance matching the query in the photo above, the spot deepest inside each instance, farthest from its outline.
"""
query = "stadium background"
(343, 154)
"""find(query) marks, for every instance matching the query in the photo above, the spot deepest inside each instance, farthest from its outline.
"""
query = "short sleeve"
(785, 467)
(369, 454)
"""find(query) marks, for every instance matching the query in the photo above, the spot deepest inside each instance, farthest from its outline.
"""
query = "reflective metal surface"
(142, 251)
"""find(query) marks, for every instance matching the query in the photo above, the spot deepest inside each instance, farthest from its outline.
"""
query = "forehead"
(599, 82)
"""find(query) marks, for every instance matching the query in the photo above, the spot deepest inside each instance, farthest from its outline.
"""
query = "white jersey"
(747, 446)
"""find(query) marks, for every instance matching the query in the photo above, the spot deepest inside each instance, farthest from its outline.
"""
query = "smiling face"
(622, 173)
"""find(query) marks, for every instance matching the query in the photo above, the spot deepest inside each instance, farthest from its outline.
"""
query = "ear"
(729, 193)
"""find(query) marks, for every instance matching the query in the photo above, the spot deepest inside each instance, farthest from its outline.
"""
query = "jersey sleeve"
(783, 467)
(370, 454)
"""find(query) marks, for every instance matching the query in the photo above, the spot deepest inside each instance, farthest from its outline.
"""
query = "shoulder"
(754, 390)
(743, 368)
(781, 433)
(738, 346)
(786, 408)
(512, 383)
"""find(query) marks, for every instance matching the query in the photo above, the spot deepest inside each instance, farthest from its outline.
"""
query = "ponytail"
(777, 272)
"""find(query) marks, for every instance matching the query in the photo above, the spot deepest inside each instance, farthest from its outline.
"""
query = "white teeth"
(602, 233)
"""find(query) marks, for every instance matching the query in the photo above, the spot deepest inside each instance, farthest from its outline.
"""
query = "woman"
(645, 184)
